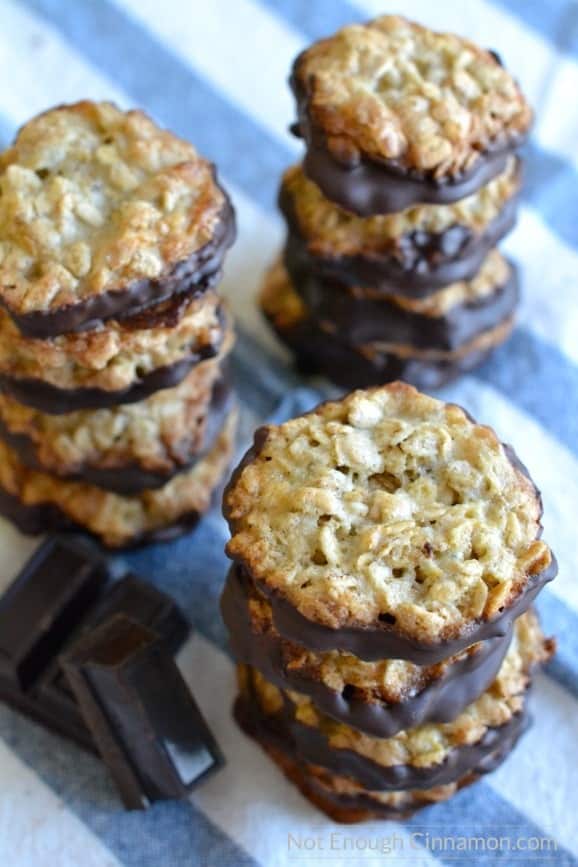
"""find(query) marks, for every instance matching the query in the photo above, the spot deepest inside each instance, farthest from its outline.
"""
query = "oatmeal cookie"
(389, 520)
(319, 349)
(380, 698)
(129, 448)
(103, 213)
(394, 114)
(117, 365)
(345, 801)
(446, 320)
(427, 755)
(37, 502)
(413, 252)
(342, 798)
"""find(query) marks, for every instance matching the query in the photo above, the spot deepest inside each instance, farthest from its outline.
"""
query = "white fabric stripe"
(37, 828)
(16, 549)
(49, 69)
(234, 799)
(538, 778)
(232, 64)
(260, 237)
(557, 126)
(553, 468)
(548, 269)
(274, 47)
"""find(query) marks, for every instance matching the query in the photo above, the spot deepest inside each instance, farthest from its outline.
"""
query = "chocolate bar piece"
(140, 711)
(41, 607)
(61, 593)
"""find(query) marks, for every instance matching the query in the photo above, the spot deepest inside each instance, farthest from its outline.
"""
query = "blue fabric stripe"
(172, 833)
(549, 185)
(480, 811)
(6, 133)
(562, 622)
(261, 378)
(318, 19)
(556, 20)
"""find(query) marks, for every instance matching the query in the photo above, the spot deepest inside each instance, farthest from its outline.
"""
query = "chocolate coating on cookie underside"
(386, 642)
(422, 263)
(368, 188)
(442, 699)
(319, 352)
(361, 319)
(48, 398)
(35, 520)
(317, 785)
(311, 745)
(129, 479)
(36, 502)
(191, 277)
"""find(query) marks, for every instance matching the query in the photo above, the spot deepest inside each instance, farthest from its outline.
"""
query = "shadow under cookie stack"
(386, 554)
(410, 179)
(116, 415)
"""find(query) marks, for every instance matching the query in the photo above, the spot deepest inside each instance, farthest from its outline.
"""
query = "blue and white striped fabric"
(215, 71)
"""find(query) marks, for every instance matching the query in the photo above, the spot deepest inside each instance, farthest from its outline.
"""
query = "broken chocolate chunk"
(62, 592)
(142, 716)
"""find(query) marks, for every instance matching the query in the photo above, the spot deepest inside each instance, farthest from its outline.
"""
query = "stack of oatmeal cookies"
(386, 555)
(410, 179)
(115, 410)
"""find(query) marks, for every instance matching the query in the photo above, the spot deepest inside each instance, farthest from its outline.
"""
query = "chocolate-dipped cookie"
(422, 757)
(343, 800)
(112, 358)
(410, 253)
(129, 448)
(380, 698)
(103, 214)
(387, 524)
(37, 502)
(109, 368)
(446, 320)
(319, 349)
(394, 114)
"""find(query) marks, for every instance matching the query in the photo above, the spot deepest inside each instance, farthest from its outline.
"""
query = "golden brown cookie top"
(387, 504)
(92, 199)
(394, 90)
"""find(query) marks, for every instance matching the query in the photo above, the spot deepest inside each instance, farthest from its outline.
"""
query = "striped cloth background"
(215, 71)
